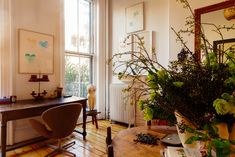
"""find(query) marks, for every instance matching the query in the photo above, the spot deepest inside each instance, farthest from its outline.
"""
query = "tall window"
(78, 46)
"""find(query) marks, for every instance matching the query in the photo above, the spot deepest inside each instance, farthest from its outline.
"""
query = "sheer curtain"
(6, 67)
(5, 49)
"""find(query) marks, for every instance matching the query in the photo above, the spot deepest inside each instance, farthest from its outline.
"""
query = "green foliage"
(193, 87)
(225, 104)
(76, 77)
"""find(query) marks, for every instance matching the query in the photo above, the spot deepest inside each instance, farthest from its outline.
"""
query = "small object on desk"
(67, 96)
(59, 92)
(34, 78)
(171, 139)
(13, 99)
(5, 100)
(147, 139)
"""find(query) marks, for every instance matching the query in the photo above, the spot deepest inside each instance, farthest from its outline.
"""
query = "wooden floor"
(94, 146)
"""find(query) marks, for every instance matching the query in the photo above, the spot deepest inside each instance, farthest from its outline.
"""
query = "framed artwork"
(146, 38)
(125, 45)
(224, 45)
(135, 18)
(131, 45)
(36, 52)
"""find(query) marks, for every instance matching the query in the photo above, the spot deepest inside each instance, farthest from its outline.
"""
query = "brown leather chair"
(60, 121)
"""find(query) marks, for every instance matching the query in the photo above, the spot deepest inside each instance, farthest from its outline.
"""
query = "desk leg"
(3, 137)
(84, 120)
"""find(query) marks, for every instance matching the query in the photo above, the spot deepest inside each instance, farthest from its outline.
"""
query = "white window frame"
(82, 54)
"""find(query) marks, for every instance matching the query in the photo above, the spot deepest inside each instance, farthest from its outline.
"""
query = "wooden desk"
(30, 108)
(124, 146)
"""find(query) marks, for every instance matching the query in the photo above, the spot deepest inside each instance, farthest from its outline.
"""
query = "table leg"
(3, 137)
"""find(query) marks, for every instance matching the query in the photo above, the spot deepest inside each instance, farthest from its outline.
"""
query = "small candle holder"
(39, 95)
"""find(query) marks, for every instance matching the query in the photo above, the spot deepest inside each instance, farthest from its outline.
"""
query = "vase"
(232, 135)
(185, 135)
(223, 134)
(223, 130)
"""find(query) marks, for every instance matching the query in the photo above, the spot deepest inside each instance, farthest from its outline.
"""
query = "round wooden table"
(124, 146)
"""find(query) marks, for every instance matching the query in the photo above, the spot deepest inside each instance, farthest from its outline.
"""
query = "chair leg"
(68, 145)
(61, 148)
(68, 152)
(52, 146)
(96, 123)
(110, 151)
(109, 136)
(54, 152)
(92, 117)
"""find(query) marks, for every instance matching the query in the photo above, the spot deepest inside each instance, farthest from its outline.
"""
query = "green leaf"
(178, 84)
(218, 143)
(191, 139)
(148, 114)
(141, 104)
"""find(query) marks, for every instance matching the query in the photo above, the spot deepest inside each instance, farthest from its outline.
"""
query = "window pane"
(71, 25)
(84, 26)
(77, 75)
(77, 25)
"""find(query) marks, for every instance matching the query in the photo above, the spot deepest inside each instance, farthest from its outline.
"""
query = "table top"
(124, 145)
(24, 104)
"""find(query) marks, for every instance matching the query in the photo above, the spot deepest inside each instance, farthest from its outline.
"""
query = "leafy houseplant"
(201, 90)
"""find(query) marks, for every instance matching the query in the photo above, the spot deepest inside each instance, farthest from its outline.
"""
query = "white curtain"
(6, 67)
(101, 71)
(5, 49)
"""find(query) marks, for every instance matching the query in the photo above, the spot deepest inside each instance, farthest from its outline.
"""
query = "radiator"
(120, 108)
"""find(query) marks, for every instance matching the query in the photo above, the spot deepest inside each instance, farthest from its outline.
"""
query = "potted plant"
(200, 90)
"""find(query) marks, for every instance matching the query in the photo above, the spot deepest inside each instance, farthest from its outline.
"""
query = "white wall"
(156, 18)
(217, 18)
(40, 16)
(160, 16)
(177, 21)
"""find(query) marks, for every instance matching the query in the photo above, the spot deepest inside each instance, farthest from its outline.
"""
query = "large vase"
(225, 134)
(232, 136)
(185, 135)
(223, 130)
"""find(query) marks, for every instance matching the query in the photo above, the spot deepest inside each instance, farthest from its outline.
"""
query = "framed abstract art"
(135, 18)
(36, 52)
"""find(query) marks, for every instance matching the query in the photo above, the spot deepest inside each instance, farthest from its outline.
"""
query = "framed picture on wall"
(226, 45)
(135, 18)
(146, 38)
(36, 52)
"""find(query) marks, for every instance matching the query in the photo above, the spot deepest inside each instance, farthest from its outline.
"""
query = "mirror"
(212, 14)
